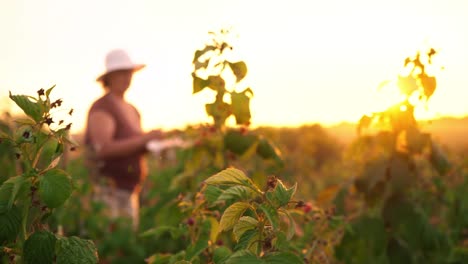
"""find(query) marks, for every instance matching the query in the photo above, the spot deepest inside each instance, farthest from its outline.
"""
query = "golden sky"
(309, 61)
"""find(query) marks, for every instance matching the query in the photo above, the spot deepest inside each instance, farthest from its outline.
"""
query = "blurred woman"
(115, 140)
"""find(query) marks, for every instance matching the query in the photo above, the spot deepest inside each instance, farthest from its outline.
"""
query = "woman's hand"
(154, 134)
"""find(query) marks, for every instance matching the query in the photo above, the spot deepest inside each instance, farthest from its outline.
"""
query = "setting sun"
(307, 62)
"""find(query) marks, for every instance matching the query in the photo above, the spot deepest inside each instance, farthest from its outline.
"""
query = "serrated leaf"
(212, 193)
(237, 193)
(280, 195)
(9, 191)
(232, 215)
(245, 223)
(30, 108)
(10, 223)
(74, 250)
(230, 176)
(272, 215)
(247, 240)
(281, 258)
(55, 187)
(244, 257)
(239, 69)
(39, 248)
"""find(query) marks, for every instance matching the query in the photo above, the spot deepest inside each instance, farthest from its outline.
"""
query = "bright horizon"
(308, 61)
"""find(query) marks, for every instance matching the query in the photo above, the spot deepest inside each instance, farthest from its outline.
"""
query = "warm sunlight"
(308, 62)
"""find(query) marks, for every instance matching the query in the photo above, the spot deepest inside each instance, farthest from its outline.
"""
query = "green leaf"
(39, 248)
(30, 108)
(237, 193)
(48, 91)
(232, 215)
(245, 223)
(214, 228)
(216, 83)
(281, 242)
(221, 254)
(280, 195)
(24, 121)
(9, 191)
(158, 231)
(239, 69)
(266, 150)
(241, 106)
(292, 224)
(202, 242)
(212, 193)
(248, 240)
(74, 250)
(244, 257)
(197, 248)
(198, 84)
(237, 142)
(55, 187)
(272, 215)
(230, 176)
(10, 223)
(199, 53)
(281, 258)
(219, 111)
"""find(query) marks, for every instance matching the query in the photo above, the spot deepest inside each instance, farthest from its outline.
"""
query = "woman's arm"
(101, 131)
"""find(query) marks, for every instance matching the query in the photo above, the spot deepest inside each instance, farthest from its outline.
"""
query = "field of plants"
(242, 195)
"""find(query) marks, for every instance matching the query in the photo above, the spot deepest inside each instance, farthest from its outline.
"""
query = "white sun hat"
(118, 59)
